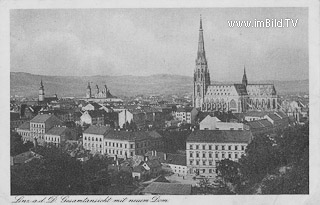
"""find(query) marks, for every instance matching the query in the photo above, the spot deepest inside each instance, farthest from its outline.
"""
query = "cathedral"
(237, 98)
(104, 93)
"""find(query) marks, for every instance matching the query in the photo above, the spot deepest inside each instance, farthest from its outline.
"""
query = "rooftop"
(25, 126)
(221, 136)
(97, 130)
(57, 131)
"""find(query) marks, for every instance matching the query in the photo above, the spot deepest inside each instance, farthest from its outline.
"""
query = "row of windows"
(118, 152)
(97, 139)
(236, 155)
(53, 139)
(37, 125)
(219, 147)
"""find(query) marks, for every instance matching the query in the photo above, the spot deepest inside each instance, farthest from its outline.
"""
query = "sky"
(141, 42)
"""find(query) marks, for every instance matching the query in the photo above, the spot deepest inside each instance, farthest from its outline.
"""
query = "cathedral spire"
(41, 84)
(244, 78)
(201, 55)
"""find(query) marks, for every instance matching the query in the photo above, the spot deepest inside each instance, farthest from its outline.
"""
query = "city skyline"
(144, 42)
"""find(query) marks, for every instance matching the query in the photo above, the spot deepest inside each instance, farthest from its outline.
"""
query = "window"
(217, 156)
(100, 146)
(222, 155)
(210, 163)
(229, 155)
(222, 147)
(197, 146)
(113, 144)
(190, 146)
(204, 170)
(131, 153)
(89, 138)
(217, 147)
(97, 139)
(236, 156)
(210, 171)
(191, 155)
(125, 146)
(106, 143)
(197, 155)
(85, 138)
(203, 154)
(100, 139)
(210, 155)
(191, 162)
(131, 146)
(120, 144)
(203, 147)
(235, 147)
(197, 163)
(230, 147)
(204, 162)
(110, 144)
(210, 147)
(117, 144)
(242, 147)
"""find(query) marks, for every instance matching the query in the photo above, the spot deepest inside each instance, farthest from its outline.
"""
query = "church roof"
(261, 89)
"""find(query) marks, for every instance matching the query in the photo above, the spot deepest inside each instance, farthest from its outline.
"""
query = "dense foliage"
(273, 164)
(60, 174)
(16, 144)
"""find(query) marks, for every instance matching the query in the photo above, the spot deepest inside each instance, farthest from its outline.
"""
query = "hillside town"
(217, 139)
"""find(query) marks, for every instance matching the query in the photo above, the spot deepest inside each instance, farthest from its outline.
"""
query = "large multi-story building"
(123, 144)
(228, 97)
(205, 148)
(38, 127)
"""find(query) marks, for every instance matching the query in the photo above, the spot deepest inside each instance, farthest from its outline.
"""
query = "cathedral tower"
(41, 92)
(201, 79)
(88, 94)
(244, 78)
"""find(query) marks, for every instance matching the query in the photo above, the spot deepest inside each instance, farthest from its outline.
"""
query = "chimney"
(152, 153)
(165, 156)
(155, 152)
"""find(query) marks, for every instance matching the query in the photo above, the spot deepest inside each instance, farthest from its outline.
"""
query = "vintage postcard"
(175, 102)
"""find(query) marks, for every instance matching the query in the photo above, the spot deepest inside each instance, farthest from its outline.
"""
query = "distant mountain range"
(27, 85)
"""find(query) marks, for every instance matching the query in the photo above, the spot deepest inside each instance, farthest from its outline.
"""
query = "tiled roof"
(25, 126)
(154, 134)
(97, 130)
(25, 157)
(241, 89)
(41, 118)
(127, 135)
(220, 136)
(168, 188)
(186, 109)
(261, 89)
(259, 124)
(153, 163)
(254, 113)
(57, 131)
(177, 159)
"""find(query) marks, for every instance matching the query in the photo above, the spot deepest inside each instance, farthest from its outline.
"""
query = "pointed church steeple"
(201, 73)
(201, 55)
(244, 78)
(41, 84)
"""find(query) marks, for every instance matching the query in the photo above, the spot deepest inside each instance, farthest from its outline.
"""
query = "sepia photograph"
(159, 101)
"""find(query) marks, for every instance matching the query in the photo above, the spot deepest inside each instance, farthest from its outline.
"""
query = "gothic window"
(274, 103)
(198, 88)
(233, 104)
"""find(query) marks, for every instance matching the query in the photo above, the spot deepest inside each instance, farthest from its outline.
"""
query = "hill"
(26, 84)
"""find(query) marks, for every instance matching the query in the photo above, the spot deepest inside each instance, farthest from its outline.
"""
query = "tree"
(16, 144)
(229, 171)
